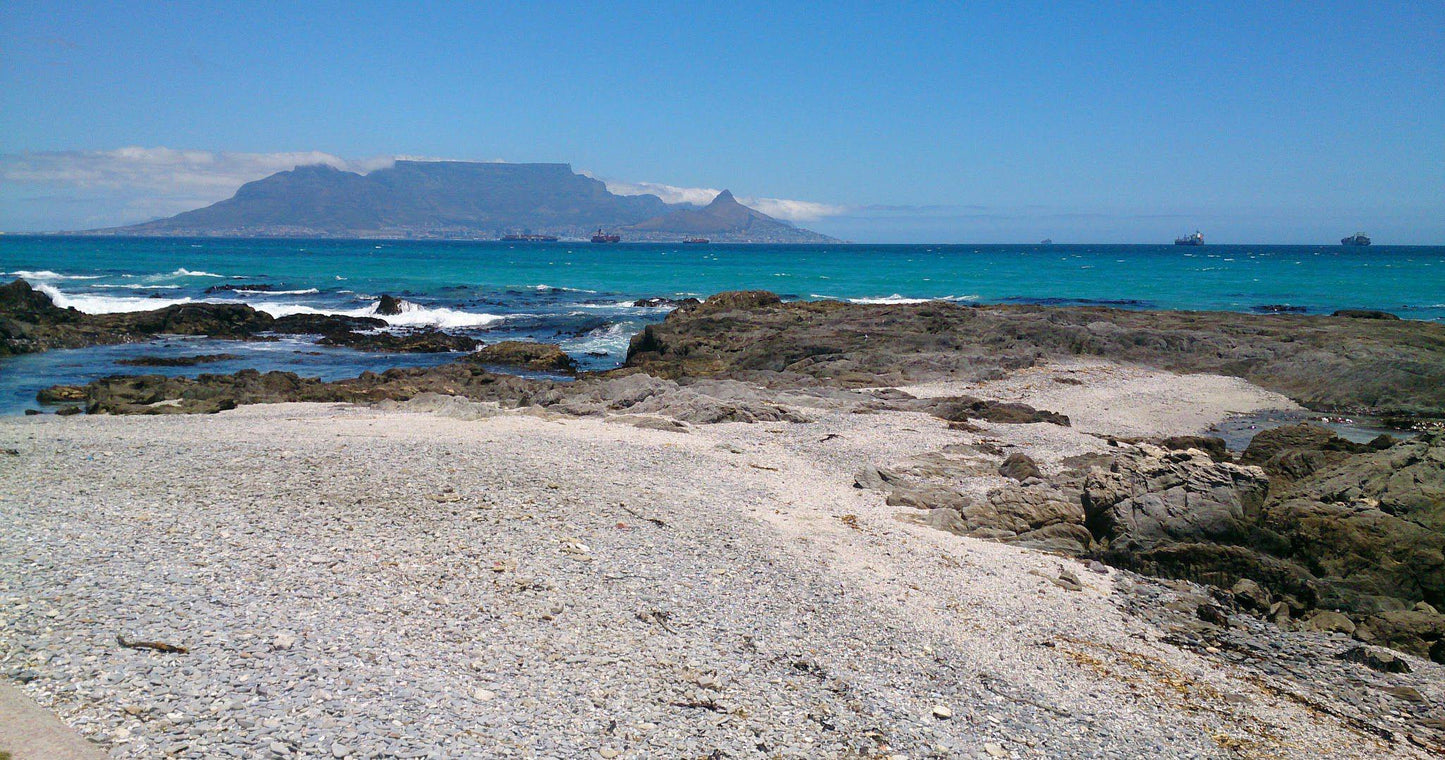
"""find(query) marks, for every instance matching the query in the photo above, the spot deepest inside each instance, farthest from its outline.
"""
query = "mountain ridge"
(458, 200)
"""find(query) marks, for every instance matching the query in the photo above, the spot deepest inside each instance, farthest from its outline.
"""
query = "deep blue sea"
(580, 294)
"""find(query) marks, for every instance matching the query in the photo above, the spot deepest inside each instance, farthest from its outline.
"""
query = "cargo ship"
(1196, 239)
(697, 241)
(1359, 238)
(602, 237)
(523, 238)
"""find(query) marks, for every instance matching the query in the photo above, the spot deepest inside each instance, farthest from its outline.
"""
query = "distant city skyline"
(994, 122)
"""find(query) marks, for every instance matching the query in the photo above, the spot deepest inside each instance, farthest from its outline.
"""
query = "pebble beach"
(447, 579)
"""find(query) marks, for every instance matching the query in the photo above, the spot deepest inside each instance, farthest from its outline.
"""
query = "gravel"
(352, 582)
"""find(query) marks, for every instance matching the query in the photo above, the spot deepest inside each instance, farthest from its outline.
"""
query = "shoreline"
(518, 572)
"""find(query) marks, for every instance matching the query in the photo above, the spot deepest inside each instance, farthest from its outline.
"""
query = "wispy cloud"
(135, 184)
(782, 208)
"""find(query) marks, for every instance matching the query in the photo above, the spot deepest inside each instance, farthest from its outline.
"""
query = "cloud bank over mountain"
(64, 190)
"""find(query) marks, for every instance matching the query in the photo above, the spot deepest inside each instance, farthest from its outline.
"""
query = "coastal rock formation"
(543, 357)
(30, 322)
(1325, 363)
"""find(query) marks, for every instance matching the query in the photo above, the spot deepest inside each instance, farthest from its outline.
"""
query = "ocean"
(580, 295)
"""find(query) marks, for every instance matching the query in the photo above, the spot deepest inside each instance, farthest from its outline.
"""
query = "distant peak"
(725, 196)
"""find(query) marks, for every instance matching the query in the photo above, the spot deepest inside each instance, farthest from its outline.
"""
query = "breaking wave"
(98, 304)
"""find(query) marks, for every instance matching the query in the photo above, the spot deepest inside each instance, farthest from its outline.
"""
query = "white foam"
(896, 299)
(97, 304)
(140, 287)
(306, 292)
(611, 339)
(559, 287)
(46, 274)
(183, 272)
(412, 315)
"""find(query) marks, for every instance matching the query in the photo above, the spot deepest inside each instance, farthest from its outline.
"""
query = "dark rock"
(67, 411)
(231, 288)
(61, 393)
(535, 356)
(388, 306)
(1252, 596)
(1325, 363)
(176, 361)
(1213, 615)
(964, 408)
(1278, 308)
(425, 340)
(1211, 445)
(1019, 466)
(653, 303)
(1365, 314)
(1329, 621)
(1294, 451)
(1375, 659)
(738, 300)
(32, 412)
(324, 324)
(1419, 633)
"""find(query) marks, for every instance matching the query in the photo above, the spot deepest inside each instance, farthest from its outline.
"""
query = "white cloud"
(792, 210)
(85, 189)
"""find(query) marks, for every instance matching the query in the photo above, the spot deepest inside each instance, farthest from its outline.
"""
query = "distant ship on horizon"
(697, 240)
(529, 238)
(1196, 239)
(1359, 238)
(602, 237)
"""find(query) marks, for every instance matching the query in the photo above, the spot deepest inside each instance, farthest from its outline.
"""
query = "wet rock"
(535, 356)
(1364, 314)
(61, 393)
(426, 340)
(388, 306)
(654, 303)
(324, 324)
(176, 361)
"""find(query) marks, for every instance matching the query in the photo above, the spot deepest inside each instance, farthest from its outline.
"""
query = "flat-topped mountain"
(724, 219)
(452, 200)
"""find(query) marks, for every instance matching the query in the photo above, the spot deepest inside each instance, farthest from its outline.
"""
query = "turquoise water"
(579, 295)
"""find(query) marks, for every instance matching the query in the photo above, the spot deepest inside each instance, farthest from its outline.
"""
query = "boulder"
(1252, 596)
(1214, 447)
(388, 306)
(1019, 466)
(1329, 621)
(1419, 633)
(543, 357)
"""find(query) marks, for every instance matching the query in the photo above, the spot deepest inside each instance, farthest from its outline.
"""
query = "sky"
(980, 122)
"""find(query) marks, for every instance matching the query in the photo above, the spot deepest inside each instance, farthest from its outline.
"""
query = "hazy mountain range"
(462, 200)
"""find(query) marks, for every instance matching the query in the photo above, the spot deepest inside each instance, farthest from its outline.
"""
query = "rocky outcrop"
(543, 357)
(176, 361)
(1339, 363)
(30, 322)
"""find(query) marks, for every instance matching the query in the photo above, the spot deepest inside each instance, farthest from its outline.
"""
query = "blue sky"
(979, 122)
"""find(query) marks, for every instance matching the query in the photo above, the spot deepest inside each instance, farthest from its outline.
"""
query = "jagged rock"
(1419, 633)
(1294, 451)
(388, 306)
(653, 303)
(1375, 659)
(56, 394)
(1329, 621)
(176, 361)
(1325, 363)
(739, 299)
(963, 408)
(423, 341)
(1019, 466)
(1252, 596)
(1214, 447)
(1364, 314)
(516, 353)
(324, 324)
(1212, 614)
(1154, 499)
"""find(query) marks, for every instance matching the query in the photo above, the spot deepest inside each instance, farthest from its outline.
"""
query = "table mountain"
(445, 200)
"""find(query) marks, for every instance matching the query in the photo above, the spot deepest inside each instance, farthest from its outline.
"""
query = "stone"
(1019, 466)
(527, 355)
(1212, 614)
(942, 712)
(1329, 621)
(283, 641)
(1375, 659)
(1252, 596)
(995, 750)
(388, 306)
(340, 750)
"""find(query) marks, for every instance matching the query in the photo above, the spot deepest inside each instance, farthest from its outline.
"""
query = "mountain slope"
(725, 220)
(439, 199)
